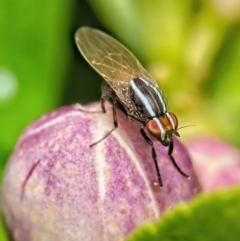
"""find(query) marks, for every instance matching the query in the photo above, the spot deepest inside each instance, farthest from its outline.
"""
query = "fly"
(130, 88)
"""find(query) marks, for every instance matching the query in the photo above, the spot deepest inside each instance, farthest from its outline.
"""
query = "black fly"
(130, 88)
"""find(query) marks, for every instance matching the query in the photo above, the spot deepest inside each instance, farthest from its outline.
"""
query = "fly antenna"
(184, 127)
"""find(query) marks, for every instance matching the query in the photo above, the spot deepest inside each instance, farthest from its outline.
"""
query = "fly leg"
(170, 151)
(154, 155)
(99, 111)
(114, 128)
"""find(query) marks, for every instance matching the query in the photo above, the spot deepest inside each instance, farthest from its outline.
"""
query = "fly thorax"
(147, 98)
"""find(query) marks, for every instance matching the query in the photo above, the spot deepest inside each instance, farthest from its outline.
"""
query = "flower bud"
(57, 187)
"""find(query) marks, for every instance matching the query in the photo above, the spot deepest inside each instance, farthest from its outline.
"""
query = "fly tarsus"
(103, 111)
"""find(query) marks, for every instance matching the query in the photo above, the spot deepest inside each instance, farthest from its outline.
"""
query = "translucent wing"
(115, 63)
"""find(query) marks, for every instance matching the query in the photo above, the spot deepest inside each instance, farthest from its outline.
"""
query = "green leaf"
(207, 218)
(33, 62)
(224, 86)
(3, 235)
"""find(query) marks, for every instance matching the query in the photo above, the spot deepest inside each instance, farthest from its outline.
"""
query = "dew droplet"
(155, 186)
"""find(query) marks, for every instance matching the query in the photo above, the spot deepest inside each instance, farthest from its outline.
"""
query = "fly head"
(163, 128)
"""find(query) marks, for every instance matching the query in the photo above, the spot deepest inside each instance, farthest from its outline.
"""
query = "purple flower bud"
(217, 163)
(58, 188)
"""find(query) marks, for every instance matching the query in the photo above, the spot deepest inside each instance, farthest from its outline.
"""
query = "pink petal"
(217, 163)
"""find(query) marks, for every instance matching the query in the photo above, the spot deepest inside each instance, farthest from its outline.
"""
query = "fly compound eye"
(174, 120)
(153, 128)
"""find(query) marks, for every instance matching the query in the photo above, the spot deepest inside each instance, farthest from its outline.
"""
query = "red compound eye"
(153, 128)
(175, 120)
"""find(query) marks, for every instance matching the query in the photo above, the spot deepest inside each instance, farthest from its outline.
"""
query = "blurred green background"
(191, 47)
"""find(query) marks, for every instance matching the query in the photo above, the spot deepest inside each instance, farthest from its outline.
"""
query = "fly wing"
(115, 63)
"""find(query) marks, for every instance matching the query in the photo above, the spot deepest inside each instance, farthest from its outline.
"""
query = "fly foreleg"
(170, 151)
(154, 155)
